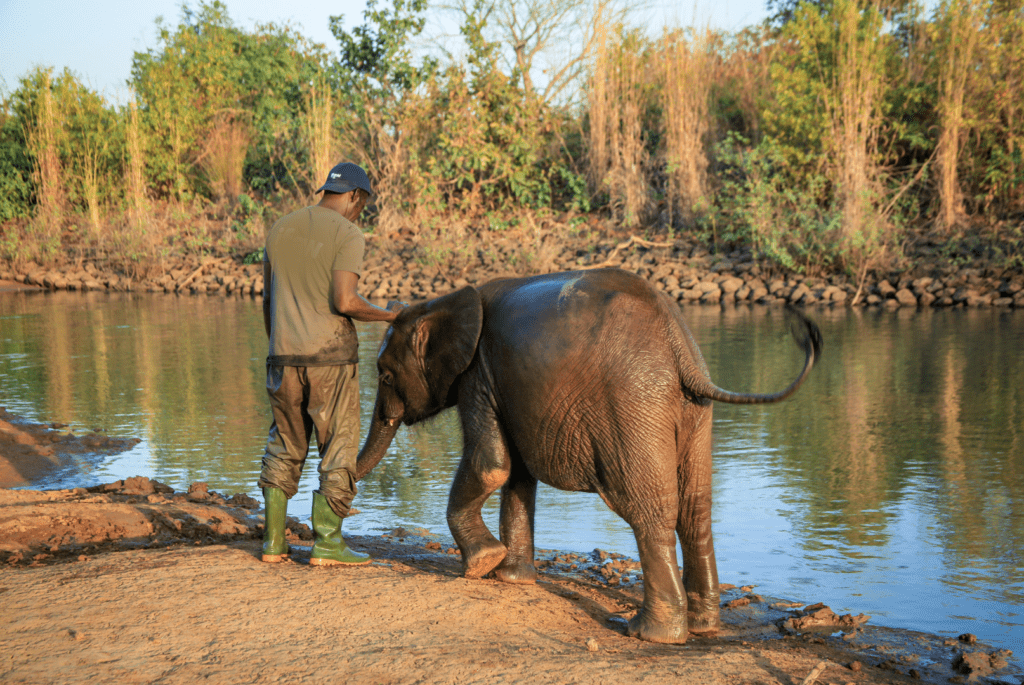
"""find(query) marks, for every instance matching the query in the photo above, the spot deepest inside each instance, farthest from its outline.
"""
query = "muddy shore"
(134, 582)
(408, 269)
(30, 452)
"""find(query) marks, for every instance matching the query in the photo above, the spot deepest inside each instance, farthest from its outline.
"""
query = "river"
(892, 483)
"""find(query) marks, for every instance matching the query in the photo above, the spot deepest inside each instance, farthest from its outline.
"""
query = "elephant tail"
(696, 381)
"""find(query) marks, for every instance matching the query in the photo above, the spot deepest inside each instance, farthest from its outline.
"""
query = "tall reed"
(135, 181)
(958, 26)
(617, 100)
(854, 97)
(44, 137)
(223, 157)
(686, 76)
(317, 130)
(91, 189)
(599, 108)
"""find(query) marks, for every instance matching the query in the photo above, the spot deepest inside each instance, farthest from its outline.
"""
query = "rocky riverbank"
(411, 270)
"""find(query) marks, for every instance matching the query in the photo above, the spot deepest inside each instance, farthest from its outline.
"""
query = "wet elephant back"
(573, 363)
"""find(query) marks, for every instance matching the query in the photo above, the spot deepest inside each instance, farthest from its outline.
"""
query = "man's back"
(303, 248)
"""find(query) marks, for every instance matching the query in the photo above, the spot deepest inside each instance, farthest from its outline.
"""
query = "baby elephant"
(587, 381)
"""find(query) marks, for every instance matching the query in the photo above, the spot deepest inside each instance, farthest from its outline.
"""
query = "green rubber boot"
(275, 548)
(330, 548)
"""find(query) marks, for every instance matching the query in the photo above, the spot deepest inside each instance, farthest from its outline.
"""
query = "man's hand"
(396, 306)
(350, 303)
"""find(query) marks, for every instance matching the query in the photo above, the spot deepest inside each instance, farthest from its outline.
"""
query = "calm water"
(892, 484)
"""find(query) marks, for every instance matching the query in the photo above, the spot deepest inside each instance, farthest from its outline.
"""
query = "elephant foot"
(653, 631)
(703, 624)
(702, 616)
(480, 560)
(519, 572)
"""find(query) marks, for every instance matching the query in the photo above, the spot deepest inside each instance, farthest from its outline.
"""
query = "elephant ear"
(445, 339)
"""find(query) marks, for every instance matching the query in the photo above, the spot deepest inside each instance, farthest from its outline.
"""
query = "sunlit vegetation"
(823, 140)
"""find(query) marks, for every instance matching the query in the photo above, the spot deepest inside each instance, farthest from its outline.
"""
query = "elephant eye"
(385, 378)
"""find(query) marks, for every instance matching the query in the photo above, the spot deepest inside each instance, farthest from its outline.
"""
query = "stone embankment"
(685, 271)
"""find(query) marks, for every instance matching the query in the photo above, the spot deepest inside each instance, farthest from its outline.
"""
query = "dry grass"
(135, 181)
(686, 67)
(853, 107)
(617, 99)
(318, 131)
(741, 72)
(223, 157)
(960, 24)
(91, 193)
(44, 234)
(382, 142)
(135, 239)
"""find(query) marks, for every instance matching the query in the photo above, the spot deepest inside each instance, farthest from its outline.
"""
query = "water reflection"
(891, 484)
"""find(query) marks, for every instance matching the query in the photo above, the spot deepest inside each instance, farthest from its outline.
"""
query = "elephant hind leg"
(700, 571)
(649, 504)
(662, 616)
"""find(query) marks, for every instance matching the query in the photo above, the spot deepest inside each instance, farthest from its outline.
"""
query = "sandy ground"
(131, 582)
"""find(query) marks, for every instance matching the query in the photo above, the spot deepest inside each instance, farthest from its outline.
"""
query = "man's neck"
(342, 203)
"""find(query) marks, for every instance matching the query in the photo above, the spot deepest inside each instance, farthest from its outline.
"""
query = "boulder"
(885, 289)
(906, 298)
(731, 284)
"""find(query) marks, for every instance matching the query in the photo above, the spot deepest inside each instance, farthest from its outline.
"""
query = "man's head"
(345, 178)
(346, 190)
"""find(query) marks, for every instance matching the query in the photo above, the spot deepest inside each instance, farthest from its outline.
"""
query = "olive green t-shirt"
(303, 248)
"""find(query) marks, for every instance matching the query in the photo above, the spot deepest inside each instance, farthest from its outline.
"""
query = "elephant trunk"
(382, 432)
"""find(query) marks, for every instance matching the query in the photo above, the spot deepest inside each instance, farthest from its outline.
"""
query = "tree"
(215, 101)
(560, 33)
(378, 54)
(376, 72)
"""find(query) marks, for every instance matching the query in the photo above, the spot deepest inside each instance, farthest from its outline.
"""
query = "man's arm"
(268, 275)
(350, 303)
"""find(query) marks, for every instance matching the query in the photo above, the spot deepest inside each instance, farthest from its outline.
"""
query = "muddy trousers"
(304, 398)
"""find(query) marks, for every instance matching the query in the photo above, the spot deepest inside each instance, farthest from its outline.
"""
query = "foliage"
(248, 220)
(818, 138)
(487, 150)
(759, 205)
(378, 52)
(210, 84)
(464, 139)
(15, 167)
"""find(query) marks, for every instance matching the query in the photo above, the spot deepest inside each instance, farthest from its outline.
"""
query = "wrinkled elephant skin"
(587, 381)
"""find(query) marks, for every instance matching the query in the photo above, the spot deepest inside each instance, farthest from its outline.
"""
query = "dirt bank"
(131, 582)
(411, 268)
(31, 451)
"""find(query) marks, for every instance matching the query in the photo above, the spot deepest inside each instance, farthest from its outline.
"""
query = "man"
(311, 264)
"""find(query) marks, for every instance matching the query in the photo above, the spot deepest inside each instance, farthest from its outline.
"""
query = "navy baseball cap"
(346, 177)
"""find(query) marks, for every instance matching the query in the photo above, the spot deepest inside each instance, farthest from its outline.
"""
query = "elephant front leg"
(484, 468)
(662, 617)
(518, 501)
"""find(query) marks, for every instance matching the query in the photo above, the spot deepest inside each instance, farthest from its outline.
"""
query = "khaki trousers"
(304, 398)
